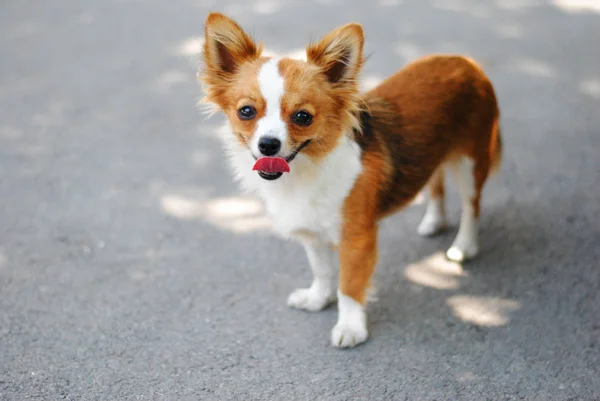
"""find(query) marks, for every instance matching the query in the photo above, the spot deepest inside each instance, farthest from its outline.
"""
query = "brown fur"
(409, 128)
(425, 116)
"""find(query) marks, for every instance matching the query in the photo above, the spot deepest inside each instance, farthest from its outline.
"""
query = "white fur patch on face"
(271, 87)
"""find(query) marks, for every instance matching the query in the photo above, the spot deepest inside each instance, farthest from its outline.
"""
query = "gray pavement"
(132, 268)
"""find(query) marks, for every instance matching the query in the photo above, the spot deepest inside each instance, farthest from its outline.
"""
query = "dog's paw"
(310, 299)
(458, 253)
(349, 334)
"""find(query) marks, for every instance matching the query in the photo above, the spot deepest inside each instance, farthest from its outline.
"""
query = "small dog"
(330, 163)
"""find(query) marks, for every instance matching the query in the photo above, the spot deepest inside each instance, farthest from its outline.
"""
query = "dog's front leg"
(321, 257)
(358, 256)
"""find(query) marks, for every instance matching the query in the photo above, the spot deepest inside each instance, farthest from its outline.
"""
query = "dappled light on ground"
(577, 5)
(536, 68)
(408, 51)
(217, 132)
(391, 3)
(590, 87)
(171, 78)
(182, 207)
(236, 214)
(201, 157)
(483, 311)
(436, 272)
(509, 31)
(475, 9)
(370, 81)
(267, 6)
(190, 46)
(518, 6)
(482, 10)
(465, 377)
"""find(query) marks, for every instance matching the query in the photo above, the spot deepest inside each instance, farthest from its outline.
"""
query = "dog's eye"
(247, 113)
(302, 118)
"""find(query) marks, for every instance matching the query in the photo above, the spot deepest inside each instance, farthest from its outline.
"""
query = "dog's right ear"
(339, 54)
(226, 45)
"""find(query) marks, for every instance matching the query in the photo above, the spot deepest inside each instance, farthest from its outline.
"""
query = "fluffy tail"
(496, 148)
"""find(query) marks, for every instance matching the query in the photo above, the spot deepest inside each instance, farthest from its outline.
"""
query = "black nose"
(269, 146)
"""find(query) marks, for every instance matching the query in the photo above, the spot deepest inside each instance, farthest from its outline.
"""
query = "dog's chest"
(300, 213)
(310, 198)
(312, 202)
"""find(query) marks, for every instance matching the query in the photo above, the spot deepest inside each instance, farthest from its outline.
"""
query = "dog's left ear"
(226, 45)
(339, 53)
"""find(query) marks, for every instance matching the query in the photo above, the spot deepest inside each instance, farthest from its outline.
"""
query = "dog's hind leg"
(434, 219)
(471, 173)
(470, 177)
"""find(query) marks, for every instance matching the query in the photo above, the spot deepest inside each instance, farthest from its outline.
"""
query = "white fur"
(351, 327)
(271, 86)
(465, 244)
(306, 204)
(310, 197)
(434, 219)
(321, 293)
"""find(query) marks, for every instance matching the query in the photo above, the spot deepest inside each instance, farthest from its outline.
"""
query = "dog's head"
(280, 107)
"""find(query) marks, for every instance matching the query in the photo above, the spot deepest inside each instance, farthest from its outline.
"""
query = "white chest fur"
(310, 197)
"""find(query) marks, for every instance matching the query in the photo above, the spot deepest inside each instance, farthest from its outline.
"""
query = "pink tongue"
(272, 165)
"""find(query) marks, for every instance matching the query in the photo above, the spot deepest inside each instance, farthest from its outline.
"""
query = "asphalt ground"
(131, 267)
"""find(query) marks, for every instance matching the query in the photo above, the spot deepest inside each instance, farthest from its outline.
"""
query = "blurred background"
(132, 268)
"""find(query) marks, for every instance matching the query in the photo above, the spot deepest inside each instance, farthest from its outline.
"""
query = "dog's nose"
(269, 146)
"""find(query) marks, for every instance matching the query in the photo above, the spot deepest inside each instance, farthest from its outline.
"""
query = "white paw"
(351, 328)
(431, 225)
(310, 299)
(460, 253)
(347, 335)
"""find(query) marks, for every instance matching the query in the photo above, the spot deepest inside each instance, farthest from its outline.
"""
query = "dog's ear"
(226, 45)
(339, 54)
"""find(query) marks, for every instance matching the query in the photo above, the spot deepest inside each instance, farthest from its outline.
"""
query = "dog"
(330, 162)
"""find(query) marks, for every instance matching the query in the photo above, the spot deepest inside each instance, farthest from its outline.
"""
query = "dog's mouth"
(271, 168)
(269, 176)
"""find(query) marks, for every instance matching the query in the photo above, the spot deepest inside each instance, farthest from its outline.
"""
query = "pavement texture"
(131, 267)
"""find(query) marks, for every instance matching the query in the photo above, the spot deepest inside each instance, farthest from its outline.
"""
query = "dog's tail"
(495, 148)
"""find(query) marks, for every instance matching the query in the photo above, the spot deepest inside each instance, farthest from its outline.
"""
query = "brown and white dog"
(351, 159)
